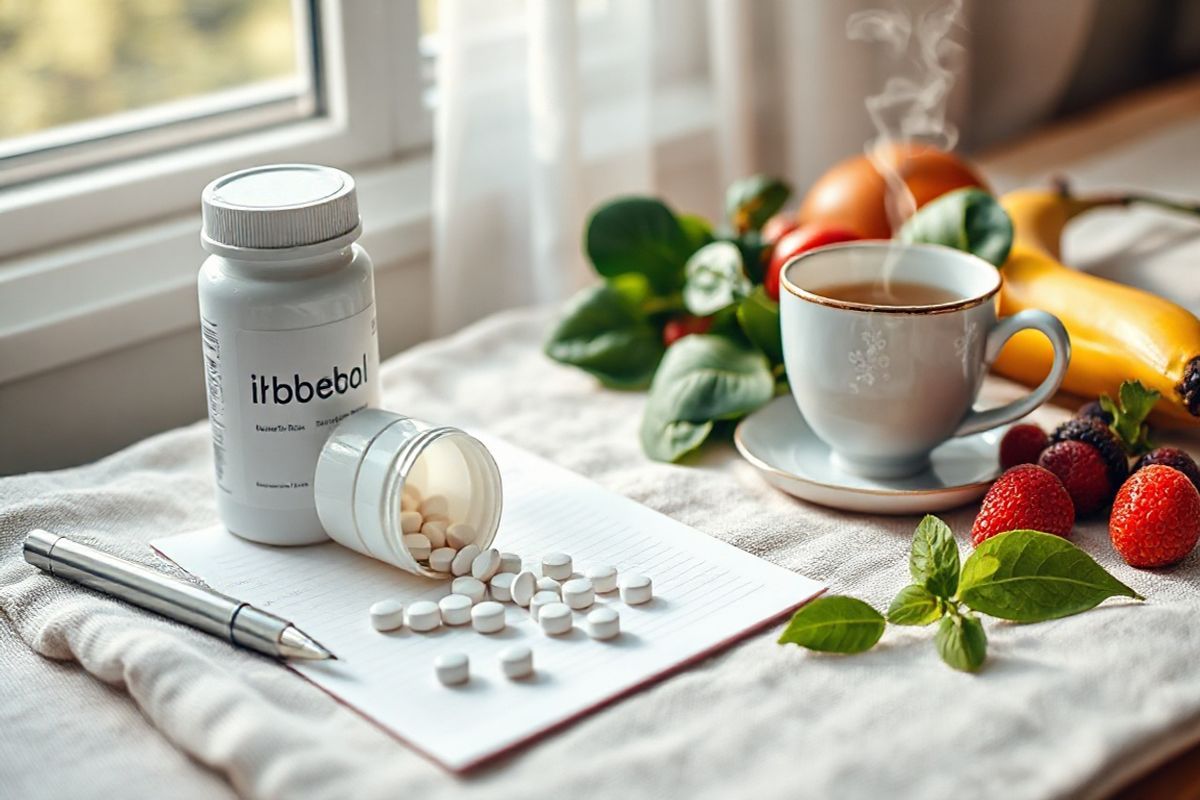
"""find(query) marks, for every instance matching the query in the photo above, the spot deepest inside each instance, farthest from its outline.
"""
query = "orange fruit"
(852, 194)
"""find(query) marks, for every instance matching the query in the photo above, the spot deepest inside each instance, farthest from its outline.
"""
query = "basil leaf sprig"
(835, 624)
(1021, 576)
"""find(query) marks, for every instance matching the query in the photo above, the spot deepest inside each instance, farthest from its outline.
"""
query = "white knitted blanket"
(119, 703)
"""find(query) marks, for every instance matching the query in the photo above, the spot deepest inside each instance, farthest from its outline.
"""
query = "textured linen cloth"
(120, 703)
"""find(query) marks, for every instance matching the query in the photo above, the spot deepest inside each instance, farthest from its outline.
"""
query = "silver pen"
(239, 623)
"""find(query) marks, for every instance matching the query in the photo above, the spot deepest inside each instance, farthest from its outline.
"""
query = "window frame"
(373, 111)
(102, 275)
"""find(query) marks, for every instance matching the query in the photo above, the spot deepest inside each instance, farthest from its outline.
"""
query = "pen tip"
(295, 644)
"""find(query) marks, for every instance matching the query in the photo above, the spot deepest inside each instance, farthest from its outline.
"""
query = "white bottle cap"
(279, 206)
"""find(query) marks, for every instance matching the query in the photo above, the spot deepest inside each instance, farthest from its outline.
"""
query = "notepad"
(708, 594)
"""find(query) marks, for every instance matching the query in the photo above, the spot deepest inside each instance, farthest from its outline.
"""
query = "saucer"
(779, 443)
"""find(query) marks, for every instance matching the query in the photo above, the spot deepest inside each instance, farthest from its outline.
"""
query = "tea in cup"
(887, 344)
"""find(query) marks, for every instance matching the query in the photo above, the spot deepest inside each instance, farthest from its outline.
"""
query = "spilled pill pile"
(485, 579)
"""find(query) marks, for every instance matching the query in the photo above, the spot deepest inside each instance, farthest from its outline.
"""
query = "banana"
(1118, 332)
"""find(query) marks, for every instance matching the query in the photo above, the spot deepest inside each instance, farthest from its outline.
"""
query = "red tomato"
(677, 328)
(779, 226)
(801, 240)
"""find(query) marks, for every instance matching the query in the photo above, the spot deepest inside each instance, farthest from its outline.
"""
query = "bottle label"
(275, 396)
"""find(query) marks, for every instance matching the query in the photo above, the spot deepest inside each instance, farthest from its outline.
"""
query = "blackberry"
(1172, 457)
(1090, 430)
(1094, 410)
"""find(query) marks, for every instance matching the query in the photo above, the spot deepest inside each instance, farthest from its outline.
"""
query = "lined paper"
(707, 595)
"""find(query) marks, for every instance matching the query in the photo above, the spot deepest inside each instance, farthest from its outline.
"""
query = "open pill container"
(374, 455)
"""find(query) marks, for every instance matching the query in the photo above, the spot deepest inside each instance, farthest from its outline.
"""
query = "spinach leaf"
(702, 378)
(642, 235)
(967, 219)
(604, 333)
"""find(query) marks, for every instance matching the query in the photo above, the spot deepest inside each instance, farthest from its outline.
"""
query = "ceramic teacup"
(883, 385)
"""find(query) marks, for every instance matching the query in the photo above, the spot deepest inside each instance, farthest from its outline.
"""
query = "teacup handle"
(1001, 332)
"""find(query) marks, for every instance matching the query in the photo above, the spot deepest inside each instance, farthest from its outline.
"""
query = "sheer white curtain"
(547, 107)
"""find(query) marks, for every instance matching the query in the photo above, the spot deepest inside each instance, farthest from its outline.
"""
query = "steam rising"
(913, 105)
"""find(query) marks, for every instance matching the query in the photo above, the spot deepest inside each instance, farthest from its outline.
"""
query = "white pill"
(540, 600)
(424, 616)
(555, 619)
(435, 532)
(501, 586)
(452, 668)
(603, 578)
(486, 564)
(510, 562)
(549, 585)
(456, 609)
(410, 499)
(523, 588)
(418, 546)
(603, 623)
(466, 585)
(578, 593)
(441, 559)
(387, 615)
(440, 519)
(461, 565)
(636, 589)
(411, 521)
(435, 504)
(516, 661)
(488, 617)
(557, 566)
(459, 535)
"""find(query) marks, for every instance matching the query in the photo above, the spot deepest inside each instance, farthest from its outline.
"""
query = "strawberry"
(1156, 517)
(1082, 471)
(1026, 496)
(1172, 457)
(1022, 444)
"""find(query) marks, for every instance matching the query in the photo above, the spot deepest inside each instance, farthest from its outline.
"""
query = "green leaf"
(714, 279)
(835, 624)
(758, 316)
(1029, 576)
(961, 642)
(702, 378)
(632, 287)
(604, 334)
(933, 561)
(638, 234)
(750, 202)
(915, 605)
(1129, 415)
(755, 253)
(696, 230)
(967, 219)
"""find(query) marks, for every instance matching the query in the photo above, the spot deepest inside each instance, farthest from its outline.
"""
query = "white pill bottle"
(287, 315)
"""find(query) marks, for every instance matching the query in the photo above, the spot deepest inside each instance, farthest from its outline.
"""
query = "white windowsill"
(117, 290)
(122, 289)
